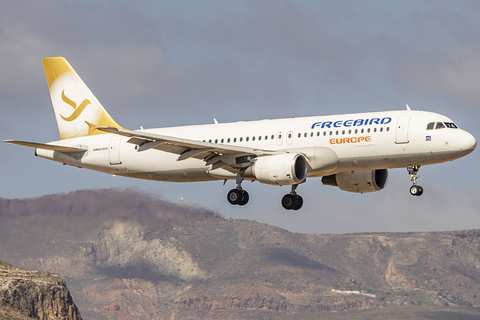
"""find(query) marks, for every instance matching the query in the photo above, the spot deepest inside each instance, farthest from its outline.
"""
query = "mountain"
(127, 255)
(27, 294)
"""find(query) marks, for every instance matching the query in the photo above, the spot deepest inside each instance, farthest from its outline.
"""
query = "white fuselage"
(363, 141)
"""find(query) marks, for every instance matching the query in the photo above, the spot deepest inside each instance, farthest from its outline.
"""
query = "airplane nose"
(466, 141)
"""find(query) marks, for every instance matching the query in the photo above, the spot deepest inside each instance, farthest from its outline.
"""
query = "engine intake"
(282, 169)
(358, 181)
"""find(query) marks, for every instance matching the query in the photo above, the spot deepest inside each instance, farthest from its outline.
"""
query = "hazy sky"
(165, 63)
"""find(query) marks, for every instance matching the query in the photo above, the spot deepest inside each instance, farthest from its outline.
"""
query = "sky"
(168, 63)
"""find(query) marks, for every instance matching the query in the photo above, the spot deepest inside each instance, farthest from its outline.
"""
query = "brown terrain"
(27, 294)
(126, 255)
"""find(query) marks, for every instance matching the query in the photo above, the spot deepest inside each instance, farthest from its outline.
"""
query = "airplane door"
(401, 132)
(279, 138)
(114, 150)
(289, 137)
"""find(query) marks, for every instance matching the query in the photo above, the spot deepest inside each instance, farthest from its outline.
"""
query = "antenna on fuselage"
(408, 108)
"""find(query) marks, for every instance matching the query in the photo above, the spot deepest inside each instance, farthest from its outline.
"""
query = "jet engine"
(282, 169)
(358, 181)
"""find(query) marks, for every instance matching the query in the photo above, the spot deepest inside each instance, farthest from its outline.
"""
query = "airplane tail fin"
(77, 111)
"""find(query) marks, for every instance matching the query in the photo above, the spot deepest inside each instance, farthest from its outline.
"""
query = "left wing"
(187, 148)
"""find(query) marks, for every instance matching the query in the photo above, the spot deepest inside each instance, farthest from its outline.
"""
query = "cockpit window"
(451, 125)
(440, 125)
(430, 125)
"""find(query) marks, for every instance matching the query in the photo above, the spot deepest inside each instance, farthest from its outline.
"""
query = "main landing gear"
(415, 190)
(292, 201)
(238, 195)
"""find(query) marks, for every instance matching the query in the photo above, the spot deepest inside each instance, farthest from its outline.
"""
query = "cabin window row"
(241, 139)
(356, 131)
(312, 134)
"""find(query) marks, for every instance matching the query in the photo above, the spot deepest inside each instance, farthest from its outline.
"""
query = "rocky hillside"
(130, 256)
(26, 294)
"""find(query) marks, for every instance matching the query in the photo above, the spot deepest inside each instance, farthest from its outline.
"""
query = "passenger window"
(381, 129)
(259, 137)
(311, 134)
(331, 132)
(318, 133)
(273, 137)
(234, 139)
(356, 131)
(374, 129)
(241, 138)
(228, 140)
(336, 132)
(246, 139)
(368, 130)
(440, 125)
(305, 135)
(324, 133)
(279, 136)
(222, 141)
(388, 128)
(216, 140)
(299, 135)
(266, 137)
(210, 140)
(253, 138)
(363, 130)
(349, 131)
(430, 125)
(343, 132)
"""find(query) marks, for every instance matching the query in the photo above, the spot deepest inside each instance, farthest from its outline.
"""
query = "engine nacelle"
(358, 181)
(282, 169)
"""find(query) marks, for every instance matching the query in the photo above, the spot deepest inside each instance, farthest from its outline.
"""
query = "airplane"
(350, 151)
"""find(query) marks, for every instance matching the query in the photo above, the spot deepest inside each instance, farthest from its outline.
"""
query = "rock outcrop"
(26, 294)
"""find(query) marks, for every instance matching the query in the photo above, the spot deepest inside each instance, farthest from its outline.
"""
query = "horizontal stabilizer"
(45, 146)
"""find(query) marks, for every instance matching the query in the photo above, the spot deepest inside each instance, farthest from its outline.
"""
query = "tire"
(234, 196)
(289, 201)
(413, 190)
(245, 198)
(299, 203)
(420, 191)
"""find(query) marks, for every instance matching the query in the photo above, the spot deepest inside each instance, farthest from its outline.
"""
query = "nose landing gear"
(415, 190)
(292, 201)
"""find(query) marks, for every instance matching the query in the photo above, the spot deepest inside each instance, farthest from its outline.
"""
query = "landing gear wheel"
(299, 203)
(234, 196)
(239, 197)
(292, 202)
(289, 201)
(416, 190)
(245, 198)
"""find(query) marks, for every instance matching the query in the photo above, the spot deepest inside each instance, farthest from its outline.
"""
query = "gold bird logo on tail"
(77, 111)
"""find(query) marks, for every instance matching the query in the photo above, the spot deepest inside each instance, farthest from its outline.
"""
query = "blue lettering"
(326, 124)
(351, 123)
(338, 124)
(358, 122)
(386, 120)
(316, 124)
